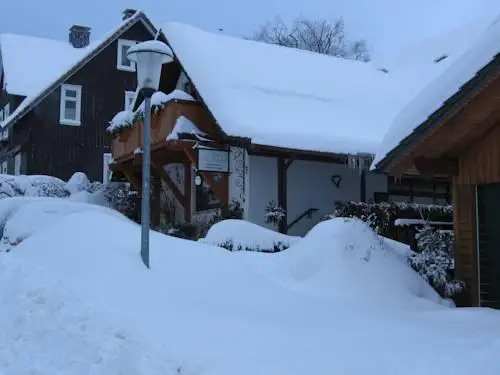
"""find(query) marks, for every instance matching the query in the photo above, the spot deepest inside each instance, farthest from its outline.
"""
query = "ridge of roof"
(93, 50)
(285, 97)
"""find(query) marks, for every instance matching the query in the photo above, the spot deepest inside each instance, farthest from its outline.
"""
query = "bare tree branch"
(320, 36)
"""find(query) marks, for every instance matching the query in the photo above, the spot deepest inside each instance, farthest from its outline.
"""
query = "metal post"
(146, 162)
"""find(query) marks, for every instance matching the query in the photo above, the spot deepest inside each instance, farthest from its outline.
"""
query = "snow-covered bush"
(32, 186)
(434, 260)
(274, 214)
(241, 235)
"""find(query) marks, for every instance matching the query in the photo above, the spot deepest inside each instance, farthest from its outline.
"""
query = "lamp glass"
(149, 56)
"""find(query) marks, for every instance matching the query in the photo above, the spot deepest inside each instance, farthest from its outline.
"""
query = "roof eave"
(447, 110)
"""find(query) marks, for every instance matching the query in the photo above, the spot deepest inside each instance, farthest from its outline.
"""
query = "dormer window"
(122, 62)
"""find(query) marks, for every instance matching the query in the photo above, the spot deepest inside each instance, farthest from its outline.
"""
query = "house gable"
(31, 102)
(60, 150)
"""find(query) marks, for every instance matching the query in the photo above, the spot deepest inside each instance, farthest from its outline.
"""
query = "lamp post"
(149, 57)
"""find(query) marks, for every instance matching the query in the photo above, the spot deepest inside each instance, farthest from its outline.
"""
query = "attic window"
(441, 58)
(122, 62)
(71, 105)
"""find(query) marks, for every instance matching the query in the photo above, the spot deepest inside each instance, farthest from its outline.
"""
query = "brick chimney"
(79, 36)
(127, 13)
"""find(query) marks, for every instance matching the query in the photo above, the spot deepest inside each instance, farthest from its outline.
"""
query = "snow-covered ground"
(76, 299)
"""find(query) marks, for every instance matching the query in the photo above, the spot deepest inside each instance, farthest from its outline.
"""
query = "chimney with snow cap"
(79, 36)
(127, 13)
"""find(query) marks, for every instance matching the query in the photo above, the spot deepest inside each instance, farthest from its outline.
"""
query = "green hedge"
(381, 216)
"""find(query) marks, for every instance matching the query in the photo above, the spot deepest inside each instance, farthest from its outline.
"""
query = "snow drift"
(317, 308)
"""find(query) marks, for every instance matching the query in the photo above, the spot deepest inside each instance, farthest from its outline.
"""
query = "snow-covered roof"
(285, 97)
(25, 75)
(469, 49)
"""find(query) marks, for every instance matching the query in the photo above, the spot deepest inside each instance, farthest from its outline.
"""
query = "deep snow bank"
(245, 235)
(311, 309)
(344, 258)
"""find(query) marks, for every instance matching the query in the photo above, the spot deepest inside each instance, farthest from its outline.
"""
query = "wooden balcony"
(129, 139)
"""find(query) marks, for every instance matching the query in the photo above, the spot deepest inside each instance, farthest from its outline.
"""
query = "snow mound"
(243, 235)
(77, 183)
(346, 259)
(218, 312)
(21, 217)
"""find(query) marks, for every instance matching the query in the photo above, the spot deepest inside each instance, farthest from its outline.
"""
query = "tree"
(320, 36)
(434, 260)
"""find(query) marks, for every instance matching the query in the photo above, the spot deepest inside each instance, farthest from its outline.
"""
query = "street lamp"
(149, 57)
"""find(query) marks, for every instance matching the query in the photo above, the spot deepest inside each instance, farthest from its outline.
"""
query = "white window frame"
(17, 164)
(129, 100)
(6, 111)
(4, 167)
(107, 157)
(64, 99)
(119, 63)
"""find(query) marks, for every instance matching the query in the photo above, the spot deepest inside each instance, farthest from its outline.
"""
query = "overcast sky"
(385, 24)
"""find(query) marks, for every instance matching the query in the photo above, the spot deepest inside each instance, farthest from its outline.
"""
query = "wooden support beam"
(171, 184)
(282, 194)
(129, 174)
(187, 191)
(431, 167)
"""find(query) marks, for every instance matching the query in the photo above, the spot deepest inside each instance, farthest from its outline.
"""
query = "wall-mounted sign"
(212, 160)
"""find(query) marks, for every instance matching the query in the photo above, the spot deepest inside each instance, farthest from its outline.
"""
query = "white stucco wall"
(263, 187)
(375, 182)
(309, 186)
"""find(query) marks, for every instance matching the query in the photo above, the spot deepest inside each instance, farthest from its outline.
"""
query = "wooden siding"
(464, 224)
(60, 150)
(123, 145)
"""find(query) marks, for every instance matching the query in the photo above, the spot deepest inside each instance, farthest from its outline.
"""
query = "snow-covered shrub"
(274, 214)
(434, 260)
(381, 216)
(32, 186)
(116, 195)
(230, 245)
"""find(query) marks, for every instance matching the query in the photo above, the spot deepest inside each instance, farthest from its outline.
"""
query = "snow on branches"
(434, 260)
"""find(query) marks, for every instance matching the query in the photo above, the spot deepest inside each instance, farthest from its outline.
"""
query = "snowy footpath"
(76, 300)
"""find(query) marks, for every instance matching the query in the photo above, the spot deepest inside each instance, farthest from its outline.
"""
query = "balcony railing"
(125, 143)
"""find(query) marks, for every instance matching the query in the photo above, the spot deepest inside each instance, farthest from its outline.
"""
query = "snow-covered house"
(53, 106)
(263, 125)
(452, 129)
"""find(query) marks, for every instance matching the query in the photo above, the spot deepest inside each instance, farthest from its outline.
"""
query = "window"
(1, 115)
(122, 62)
(71, 105)
(17, 164)
(205, 197)
(129, 100)
(6, 111)
(106, 173)
(3, 167)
